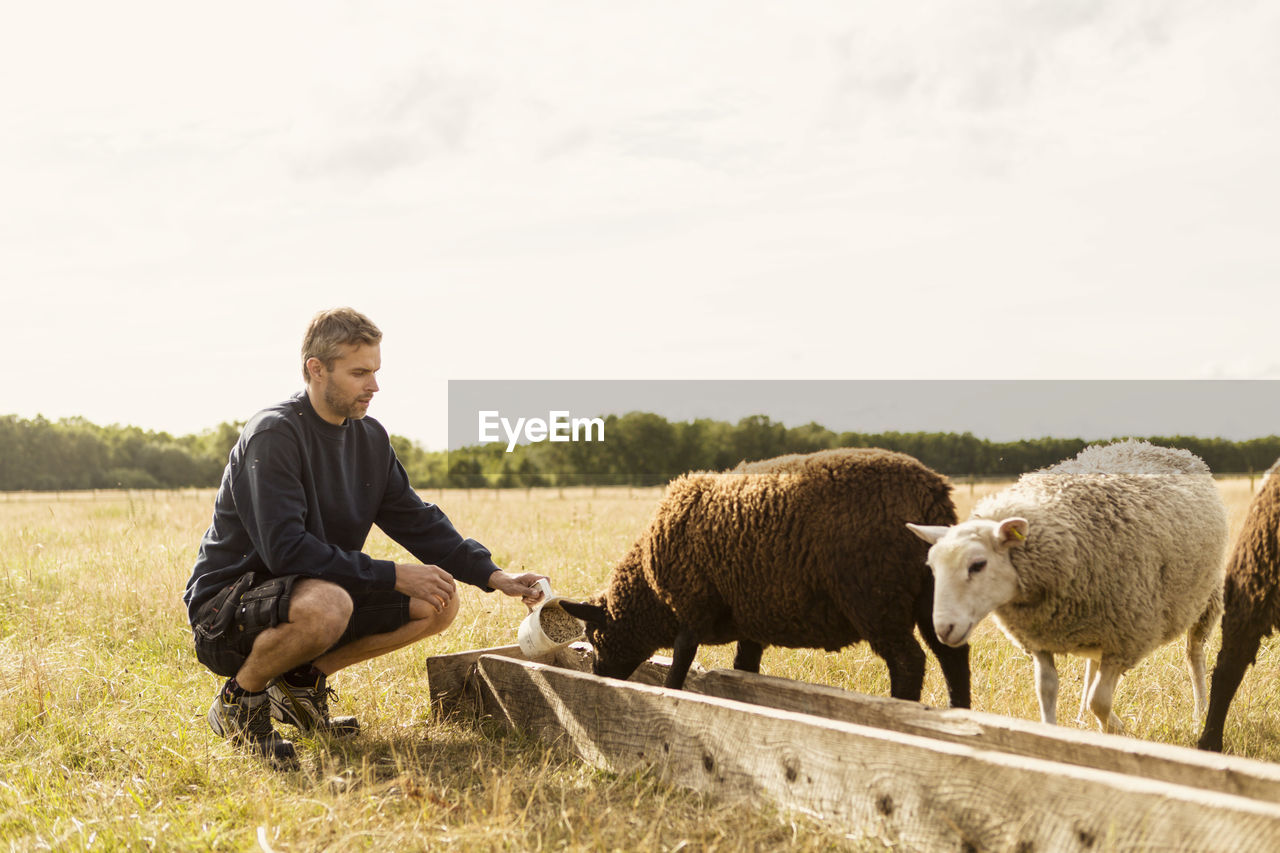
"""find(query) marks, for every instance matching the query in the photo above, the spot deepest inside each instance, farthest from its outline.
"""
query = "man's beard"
(347, 407)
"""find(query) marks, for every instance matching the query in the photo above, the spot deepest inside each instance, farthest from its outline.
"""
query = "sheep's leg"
(955, 669)
(1195, 668)
(748, 656)
(1090, 676)
(953, 660)
(1047, 686)
(1102, 695)
(891, 635)
(686, 646)
(1239, 648)
(1196, 639)
(906, 661)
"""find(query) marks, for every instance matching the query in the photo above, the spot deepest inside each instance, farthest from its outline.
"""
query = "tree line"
(641, 449)
(644, 449)
(73, 453)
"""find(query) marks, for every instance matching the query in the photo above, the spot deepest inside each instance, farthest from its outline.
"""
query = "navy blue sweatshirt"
(299, 496)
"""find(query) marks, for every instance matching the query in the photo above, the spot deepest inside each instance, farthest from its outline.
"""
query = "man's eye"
(977, 566)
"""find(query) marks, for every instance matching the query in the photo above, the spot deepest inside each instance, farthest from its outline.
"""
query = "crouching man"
(282, 596)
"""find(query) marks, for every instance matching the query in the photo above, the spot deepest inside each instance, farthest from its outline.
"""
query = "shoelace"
(259, 722)
(323, 695)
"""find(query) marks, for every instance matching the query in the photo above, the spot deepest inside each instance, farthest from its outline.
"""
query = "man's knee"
(432, 619)
(320, 606)
(450, 611)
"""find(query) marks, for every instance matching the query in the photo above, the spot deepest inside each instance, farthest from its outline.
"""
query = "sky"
(539, 190)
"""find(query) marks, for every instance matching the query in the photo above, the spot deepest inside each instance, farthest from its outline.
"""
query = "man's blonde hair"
(333, 329)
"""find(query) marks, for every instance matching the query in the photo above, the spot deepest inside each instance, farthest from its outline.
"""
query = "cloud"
(388, 125)
(984, 86)
(969, 87)
(374, 154)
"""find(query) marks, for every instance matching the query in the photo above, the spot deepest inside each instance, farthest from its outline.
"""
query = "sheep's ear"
(930, 533)
(592, 614)
(1011, 533)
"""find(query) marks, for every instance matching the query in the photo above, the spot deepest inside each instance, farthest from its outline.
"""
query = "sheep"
(1251, 602)
(799, 551)
(1107, 556)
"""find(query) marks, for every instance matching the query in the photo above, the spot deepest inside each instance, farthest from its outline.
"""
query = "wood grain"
(451, 678)
(922, 792)
(1163, 762)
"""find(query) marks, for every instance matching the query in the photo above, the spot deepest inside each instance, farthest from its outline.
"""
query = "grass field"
(103, 742)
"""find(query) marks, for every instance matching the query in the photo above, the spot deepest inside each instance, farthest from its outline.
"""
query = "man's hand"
(521, 585)
(431, 584)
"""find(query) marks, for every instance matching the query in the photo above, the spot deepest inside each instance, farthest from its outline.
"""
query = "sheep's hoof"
(1115, 726)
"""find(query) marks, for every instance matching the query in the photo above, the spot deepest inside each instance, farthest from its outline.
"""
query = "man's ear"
(315, 368)
(592, 614)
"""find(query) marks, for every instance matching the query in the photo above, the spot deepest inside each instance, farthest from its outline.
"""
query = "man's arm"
(521, 585)
(432, 584)
(435, 586)
(271, 503)
(426, 532)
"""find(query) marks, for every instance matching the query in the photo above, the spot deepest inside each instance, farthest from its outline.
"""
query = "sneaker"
(307, 707)
(246, 721)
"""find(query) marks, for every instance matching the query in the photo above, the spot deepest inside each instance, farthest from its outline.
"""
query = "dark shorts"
(226, 626)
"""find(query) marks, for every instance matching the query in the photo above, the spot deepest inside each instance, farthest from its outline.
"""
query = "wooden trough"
(899, 771)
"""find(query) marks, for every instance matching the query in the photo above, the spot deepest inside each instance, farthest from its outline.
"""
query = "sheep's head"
(618, 646)
(972, 572)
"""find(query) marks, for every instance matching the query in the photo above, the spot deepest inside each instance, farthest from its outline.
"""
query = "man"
(281, 596)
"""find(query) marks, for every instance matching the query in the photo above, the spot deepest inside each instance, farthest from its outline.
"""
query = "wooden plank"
(578, 656)
(451, 678)
(919, 792)
(1163, 762)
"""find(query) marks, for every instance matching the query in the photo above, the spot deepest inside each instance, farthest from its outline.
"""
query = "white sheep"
(1108, 555)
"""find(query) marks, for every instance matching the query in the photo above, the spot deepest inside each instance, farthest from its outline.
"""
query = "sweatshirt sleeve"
(271, 501)
(426, 532)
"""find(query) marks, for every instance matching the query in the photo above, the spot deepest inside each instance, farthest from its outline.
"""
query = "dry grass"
(103, 742)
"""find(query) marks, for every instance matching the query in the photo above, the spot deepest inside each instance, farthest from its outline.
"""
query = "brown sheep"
(808, 551)
(1251, 603)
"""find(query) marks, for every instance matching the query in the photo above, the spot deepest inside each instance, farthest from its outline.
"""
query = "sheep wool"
(1251, 602)
(1124, 551)
(807, 550)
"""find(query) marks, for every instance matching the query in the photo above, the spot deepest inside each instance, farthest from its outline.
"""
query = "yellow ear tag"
(1017, 533)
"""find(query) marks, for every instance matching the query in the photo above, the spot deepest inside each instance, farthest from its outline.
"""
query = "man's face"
(345, 391)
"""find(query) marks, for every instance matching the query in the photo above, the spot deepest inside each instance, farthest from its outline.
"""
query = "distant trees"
(74, 454)
(640, 449)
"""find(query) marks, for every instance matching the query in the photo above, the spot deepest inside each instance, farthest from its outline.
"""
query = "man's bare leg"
(300, 696)
(424, 621)
(318, 614)
(242, 711)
